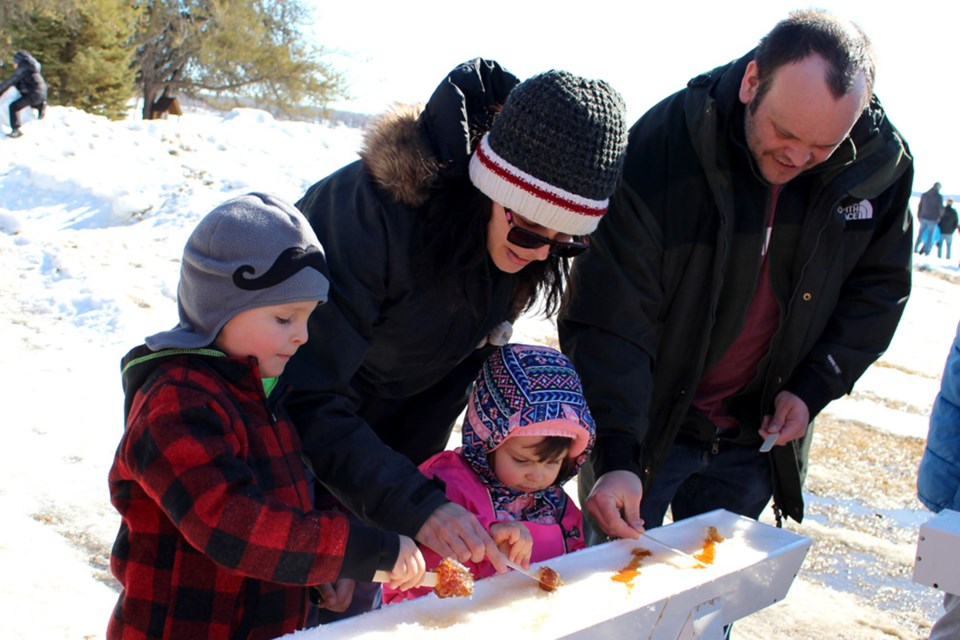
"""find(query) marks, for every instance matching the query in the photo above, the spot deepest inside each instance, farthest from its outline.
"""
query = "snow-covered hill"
(93, 216)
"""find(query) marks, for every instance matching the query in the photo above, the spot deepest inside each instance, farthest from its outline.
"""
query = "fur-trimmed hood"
(412, 149)
(398, 155)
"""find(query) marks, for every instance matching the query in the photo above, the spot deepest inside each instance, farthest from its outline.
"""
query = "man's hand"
(614, 503)
(454, 532)
(790, 418)
(336, 596)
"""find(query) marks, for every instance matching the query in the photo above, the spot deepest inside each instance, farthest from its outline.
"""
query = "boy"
(218, 538)
(527, 431)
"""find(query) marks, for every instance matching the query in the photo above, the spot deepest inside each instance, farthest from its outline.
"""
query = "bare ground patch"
(936, 273)
(883, 364)
(851, 460)
(862, 514)
(98, 554)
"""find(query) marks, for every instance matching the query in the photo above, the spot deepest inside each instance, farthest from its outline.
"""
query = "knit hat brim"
(534, 199)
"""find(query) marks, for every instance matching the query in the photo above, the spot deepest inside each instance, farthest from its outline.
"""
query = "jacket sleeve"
(182, 450)
(18, 73)
(938, 480)
(868, 309)
(377, 483)
(609, 324)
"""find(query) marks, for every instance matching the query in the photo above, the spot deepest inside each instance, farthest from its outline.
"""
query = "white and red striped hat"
(556, 151)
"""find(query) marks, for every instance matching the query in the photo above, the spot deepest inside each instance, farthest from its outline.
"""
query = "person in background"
(31, 86)
(938, 478)
(526, 432)
(458, 217)
(947, 225)
(218, 537)
(928, 215)
(754, 262)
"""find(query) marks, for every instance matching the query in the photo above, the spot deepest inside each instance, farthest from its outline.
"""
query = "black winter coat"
(665, 287)
(392, 354)
(27, 79)
(948, 222)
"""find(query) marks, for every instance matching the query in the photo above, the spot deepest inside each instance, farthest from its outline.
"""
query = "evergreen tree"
(232, 52)
(85, 51)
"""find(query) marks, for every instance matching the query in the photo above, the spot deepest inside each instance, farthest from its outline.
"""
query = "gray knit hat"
(252, 251)
(555, 153)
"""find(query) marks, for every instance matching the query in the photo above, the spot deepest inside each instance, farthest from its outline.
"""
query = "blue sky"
(393, 51)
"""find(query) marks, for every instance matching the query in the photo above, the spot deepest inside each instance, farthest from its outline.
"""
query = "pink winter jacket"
(465, 488)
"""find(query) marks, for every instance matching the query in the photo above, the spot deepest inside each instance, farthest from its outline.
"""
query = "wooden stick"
(429, 578)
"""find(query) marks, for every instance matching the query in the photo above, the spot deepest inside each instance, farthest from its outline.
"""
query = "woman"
(454, 221)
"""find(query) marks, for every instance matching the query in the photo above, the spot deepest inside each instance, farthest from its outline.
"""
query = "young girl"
(218, 537)
(526, 432)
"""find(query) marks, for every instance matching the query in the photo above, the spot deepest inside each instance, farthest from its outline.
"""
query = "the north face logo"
(862, 210)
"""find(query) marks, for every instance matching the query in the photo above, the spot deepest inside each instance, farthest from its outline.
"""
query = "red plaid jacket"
(218, 539)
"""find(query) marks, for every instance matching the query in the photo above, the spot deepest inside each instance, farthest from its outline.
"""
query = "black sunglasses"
(530, 240)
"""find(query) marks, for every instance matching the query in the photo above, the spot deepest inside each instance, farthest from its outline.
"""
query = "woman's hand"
(454, 532)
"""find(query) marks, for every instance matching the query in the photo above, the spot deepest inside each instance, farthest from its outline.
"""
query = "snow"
(93, 217)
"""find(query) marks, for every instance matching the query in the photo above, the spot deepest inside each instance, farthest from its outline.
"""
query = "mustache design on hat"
(251, 251)
(288, 263)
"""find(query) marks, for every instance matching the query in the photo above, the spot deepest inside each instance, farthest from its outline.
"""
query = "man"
(931, 208)
(755, 260)
(31, 86)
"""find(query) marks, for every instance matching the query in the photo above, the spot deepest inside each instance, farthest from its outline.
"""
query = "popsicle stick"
(519, 569)
(429, 578)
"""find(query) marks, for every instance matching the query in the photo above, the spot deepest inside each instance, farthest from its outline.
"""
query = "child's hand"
(408, 571)
(335, 596)
(514, 540)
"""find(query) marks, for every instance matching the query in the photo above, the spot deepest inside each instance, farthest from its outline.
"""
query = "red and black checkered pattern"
(218, 539)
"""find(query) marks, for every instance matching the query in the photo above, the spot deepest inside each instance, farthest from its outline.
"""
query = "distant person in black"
(928, 215)
(947, 224)
(32, 87)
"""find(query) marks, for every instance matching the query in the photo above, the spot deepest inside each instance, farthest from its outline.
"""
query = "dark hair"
(842, 44)
(451, 245)
(551, 447)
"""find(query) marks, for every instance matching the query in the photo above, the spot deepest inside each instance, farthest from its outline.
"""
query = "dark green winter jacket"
(665, 287)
